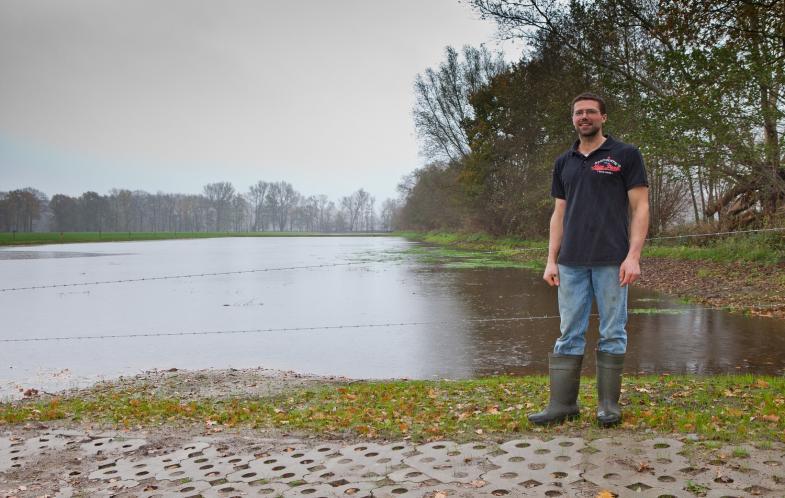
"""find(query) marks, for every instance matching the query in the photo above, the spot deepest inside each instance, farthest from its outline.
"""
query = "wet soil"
(753, 288)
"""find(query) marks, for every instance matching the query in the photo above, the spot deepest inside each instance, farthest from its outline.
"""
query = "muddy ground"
(742, 287)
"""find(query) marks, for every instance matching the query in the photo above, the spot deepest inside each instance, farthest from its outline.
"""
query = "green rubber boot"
(609, 367)
(565, 374)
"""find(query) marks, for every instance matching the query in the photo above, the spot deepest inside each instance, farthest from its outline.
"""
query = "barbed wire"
(259, 270)
(279, 329)
(712, 234)
(650, 239)
(171, 277)
(631, 311)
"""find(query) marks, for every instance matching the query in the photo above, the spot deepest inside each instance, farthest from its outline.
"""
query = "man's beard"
(592, 131)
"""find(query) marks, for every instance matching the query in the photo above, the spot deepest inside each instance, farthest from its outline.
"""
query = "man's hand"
(551, 274)
(629, 271)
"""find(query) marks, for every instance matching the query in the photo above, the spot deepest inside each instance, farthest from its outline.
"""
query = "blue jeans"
(578, 286)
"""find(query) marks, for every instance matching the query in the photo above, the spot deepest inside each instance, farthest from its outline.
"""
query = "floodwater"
(467, 332)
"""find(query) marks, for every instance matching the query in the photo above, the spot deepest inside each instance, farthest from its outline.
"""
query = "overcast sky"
(171, 95)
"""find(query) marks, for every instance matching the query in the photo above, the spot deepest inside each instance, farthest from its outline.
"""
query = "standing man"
(597, 231)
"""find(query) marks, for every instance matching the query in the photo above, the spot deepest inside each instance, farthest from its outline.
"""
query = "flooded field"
(359, 307)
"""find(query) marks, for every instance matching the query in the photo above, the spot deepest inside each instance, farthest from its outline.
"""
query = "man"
(594, 252)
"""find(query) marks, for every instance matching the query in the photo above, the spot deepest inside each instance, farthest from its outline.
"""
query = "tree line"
(698, 85)
(266, 206)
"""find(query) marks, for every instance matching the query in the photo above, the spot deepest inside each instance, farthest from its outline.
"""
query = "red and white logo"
(606, 166)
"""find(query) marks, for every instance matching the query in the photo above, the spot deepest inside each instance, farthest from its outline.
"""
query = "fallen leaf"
(723, 479)
(605, 494)
(762, 384)
(771, 418)
(478, 431)
(478, 483)
(643, 466)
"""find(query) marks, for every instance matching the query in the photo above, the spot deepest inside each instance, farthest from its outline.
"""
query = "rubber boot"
(565, 374)
(609, 367)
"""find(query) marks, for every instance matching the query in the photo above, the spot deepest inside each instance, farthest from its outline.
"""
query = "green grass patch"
(36, 238)
(656, 311)
(723, 408)
(766, 248)
(472, 251)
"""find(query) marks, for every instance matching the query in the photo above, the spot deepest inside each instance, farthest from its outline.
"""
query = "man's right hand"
(551, 274)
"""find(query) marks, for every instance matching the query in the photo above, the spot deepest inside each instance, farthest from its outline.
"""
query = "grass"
(447, 257)
(723, 408)
(656, 311)
(767, 248)
(470, 251)
(36, 238)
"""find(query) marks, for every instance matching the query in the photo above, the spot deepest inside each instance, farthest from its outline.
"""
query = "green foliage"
(698, 86)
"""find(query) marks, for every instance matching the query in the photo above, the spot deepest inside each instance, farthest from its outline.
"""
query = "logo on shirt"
(606, 166)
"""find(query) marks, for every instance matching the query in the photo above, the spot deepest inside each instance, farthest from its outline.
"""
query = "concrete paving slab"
(127, 465)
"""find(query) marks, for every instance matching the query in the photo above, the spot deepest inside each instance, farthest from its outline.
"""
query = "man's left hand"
(629, 272)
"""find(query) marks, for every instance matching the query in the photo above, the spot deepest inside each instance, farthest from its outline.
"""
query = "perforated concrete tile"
(277, 467)
(209, 465)
(408, 489)
(322, 490)
(166, 489)
(410, 474)
(649, 464)
(231, 490)
(447, 462)
(362, 462)
(15, 452)
(111, 445)
(442, 449)
(531, 463)
(294, 463)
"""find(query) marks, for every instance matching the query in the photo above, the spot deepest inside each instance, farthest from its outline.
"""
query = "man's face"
(587, 118)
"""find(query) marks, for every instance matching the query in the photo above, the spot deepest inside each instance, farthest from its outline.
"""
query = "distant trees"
(266, 206)
(20, 209)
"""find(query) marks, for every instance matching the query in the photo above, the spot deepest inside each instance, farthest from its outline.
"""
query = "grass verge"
(724, 408)
(766, 248)
(456, 250)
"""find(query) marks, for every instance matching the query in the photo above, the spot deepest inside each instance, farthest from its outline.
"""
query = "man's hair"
(589, 96)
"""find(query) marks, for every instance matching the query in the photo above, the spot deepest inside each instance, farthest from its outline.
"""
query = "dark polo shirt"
(597, 216)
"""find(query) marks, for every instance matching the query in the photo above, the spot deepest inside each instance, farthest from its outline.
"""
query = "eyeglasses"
(586, 112)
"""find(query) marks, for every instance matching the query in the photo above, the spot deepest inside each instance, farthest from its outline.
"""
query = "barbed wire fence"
(321, 327)
(326, 265)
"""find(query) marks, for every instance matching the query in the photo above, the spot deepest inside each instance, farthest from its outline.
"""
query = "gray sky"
(170, 95)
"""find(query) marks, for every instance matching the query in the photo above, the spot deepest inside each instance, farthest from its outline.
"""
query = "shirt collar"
(606, 145)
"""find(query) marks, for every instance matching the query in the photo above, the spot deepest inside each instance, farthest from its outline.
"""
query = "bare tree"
(280, 199)
(256, 195)
(390, 208)
(442, 105)
(354, 207)
(220, 195)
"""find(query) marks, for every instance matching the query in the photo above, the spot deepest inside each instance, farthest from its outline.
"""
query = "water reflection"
(384, 290)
